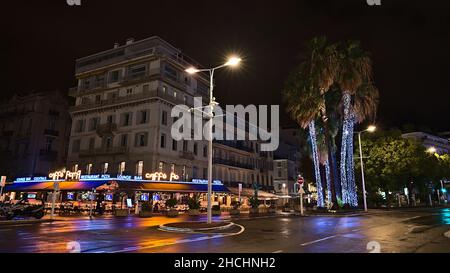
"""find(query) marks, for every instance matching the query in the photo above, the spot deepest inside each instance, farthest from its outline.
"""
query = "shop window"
(75, 168)
(161, 166)
(172, 168)
(89, 168)
(105, 167)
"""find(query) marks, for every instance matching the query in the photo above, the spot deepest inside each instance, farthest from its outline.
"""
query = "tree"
(359, 96)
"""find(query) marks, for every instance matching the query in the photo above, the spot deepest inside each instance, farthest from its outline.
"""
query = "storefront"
(78, 193)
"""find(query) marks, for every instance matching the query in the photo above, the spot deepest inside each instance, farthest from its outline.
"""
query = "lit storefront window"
(105, 167)
(89, 168)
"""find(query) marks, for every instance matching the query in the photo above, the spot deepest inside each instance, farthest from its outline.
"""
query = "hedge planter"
(193, 212)
(235, 212)
(121, 212)
(254, 211)
(216, 212)
(145, 214)
(172, 213)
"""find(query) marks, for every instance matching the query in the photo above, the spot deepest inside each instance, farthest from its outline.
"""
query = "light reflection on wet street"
(398, 231)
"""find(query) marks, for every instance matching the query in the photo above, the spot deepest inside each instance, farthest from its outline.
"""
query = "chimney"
(116, 45)
(129, 41)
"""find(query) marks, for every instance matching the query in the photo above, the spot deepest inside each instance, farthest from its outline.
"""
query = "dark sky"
(409, 42)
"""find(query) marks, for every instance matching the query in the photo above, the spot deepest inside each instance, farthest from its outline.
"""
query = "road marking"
(320, 240)
(411, 218)
(447, 234)
(182, 241)
(278, 251)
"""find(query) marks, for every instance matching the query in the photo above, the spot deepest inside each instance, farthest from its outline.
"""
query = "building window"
(185, 146)
(89, 168)
(161, 166)
(205, 173)
(76, 145)
(195, 149)
(141, 140)
(91, 143)
(110, 119)
(124, 140)
(145, 88)
(174, 145)
(137, 71)
(126, 119)
(129, 91)
(121, 167)
(139, 168)
(79, 126)
(108, 142)
(98, 98)
(195, 172)
(143, 117)
(164, 90)
(105, 167)
(75, 168)
(93, 124)
(172, 168)
(48, 143)
(163, 141)
(183, 173)
(175, 94)
(205, 150)
(164, 118)
(114, 76)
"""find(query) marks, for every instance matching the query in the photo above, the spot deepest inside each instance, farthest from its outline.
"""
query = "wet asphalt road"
(420, 230)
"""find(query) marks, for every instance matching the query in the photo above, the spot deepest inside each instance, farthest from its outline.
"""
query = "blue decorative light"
(328, 177)
(315, 154)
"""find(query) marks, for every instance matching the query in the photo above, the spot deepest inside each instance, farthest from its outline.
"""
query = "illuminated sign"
(63, 174)
(205, 181)
(95, 176)
(31, 179)
(159, 176)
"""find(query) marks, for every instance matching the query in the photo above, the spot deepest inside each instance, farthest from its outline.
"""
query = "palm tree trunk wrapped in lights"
(344, 148)
(351, 184)
(315, 155)
(328, 178)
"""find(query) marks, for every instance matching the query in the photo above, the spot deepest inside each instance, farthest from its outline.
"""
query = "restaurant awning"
(48, 186)
(262, 195)
(169, 187)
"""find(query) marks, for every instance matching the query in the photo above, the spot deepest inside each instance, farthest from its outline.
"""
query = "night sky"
(409, 42)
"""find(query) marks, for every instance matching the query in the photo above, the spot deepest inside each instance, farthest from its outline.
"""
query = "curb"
(163, 227)
(19, 222)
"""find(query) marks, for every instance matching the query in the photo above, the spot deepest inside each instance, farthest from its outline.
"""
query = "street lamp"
(231, 62)
(370, 129)
(432, 150)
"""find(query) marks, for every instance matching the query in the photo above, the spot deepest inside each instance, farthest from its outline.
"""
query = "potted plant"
(194, 205)
(272, 208)
(216, 210)
(235, 208)
(254, 205)
(122, 212)
(171, 211)
(146, 210)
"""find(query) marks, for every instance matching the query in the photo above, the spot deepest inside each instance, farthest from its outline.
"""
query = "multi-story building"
(34, 133)
(242, 162)
(438, 144)
(287, 162)
(122, 115)
(122, 118)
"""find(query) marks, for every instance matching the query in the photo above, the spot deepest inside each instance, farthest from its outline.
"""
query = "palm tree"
(354, 77)
(305, 96)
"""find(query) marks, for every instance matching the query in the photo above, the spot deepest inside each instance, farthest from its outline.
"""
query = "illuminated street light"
(232, 62)
(371, 129)
(432, 150)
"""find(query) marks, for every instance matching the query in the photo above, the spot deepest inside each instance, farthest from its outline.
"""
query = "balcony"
(127, 99)
(232, 163)
(104, 151)
(236, 145)
(187, 155)
(50, 132)
(107, 129)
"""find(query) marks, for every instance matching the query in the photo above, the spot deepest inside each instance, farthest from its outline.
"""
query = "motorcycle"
(22, 209)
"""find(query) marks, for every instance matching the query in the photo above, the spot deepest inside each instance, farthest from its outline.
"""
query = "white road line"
(411, 218)
(278, 251)
(320, 240)
(183, 241)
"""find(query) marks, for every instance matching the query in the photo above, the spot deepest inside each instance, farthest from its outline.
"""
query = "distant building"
(34, 132)
(287, 162)
(440, 144)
